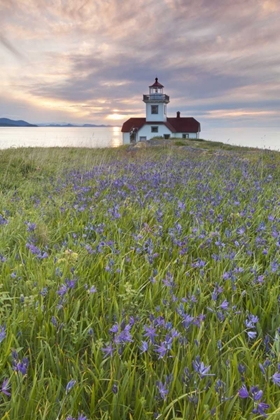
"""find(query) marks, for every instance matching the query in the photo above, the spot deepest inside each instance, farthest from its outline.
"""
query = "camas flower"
(224, 305)
(108, 351)
(200, 368)
(150, 333)
(163, 390)
(251, 321)
(276, 378)
(243, 392)
(256, 393)
(5, 388)
(161, 349)
(20, 366)
(144, 346)
(252, 334)
(2, 333)
(70, 385)
(260, 409)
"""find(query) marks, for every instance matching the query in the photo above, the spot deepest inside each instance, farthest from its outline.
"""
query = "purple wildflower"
(3, 221)
(70, 385)
(14, 355)
(44, 291)
(2, 333)
(36, 251)
(5, 387)
(224, 305)
(251, 321)
(114, 329)
(163, 390)
(251, 334)
(256, 393)
(161, 350)
(216, 292)
(31, 227)
(81, 417)
(70, 283)
(144, 346)
(260, 409)
(150, 333)
(54, 321)
(200, 368)
(89, 249)
(276, 378)
(20, 366)
(187, 320)
(131, 320)
(262, 369)
(92, 289)
(124, 336)
(226, 275)
(108, 351)
(243, 392)
(62, 290)
(240, 231)
(169, 281)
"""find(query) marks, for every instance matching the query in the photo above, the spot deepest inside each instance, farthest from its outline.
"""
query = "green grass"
(98, 246)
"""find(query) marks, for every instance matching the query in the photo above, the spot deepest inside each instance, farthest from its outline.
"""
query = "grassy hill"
(139, 283)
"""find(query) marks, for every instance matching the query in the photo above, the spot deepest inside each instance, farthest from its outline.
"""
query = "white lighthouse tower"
(156, 103)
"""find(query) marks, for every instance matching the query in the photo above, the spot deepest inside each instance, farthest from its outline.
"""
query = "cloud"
(86, 55)
(11, 48)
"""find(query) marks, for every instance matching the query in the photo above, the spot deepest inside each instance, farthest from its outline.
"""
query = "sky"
(91, 61)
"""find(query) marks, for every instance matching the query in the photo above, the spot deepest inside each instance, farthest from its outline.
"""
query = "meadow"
(139, 284)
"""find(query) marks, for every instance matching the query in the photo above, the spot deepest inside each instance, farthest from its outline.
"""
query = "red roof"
(175, 125)
(133, 123)
(184, 124)
(156, 84)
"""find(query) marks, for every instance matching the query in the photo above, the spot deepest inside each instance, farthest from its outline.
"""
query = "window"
(142, 138)
(154, 129)
(185, 136)
(166, 136)
(154, 109)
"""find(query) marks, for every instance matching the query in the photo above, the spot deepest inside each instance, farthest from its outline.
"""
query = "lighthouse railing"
(156, 97)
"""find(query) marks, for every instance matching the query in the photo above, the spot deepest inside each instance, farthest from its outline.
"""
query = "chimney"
(178, 114)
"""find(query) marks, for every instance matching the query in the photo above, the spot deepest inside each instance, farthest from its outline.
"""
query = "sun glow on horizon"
(115, 117)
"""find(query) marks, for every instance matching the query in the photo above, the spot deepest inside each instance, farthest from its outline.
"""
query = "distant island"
(74, 125)
(6, 122)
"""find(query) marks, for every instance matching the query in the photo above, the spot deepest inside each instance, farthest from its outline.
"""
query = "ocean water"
(97, 137)
(262, 138)
(91, 137)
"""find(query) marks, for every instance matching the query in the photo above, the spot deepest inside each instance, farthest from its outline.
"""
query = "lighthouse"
(157, 123)
(156, 103)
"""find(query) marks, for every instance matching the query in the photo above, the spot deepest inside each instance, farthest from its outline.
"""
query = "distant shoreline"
(59, 126)
(7, 122)
(18, 126)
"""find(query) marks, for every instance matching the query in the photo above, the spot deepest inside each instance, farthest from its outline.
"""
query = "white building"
(156, 123)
